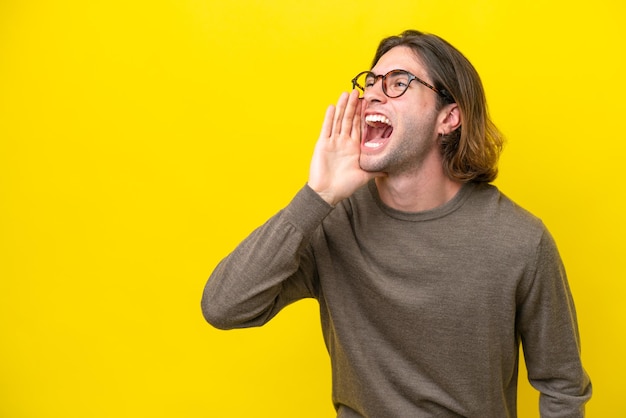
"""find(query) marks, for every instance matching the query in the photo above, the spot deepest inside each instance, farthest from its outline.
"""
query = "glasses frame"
(384, 85)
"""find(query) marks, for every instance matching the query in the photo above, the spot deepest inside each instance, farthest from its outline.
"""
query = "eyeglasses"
(395, 83)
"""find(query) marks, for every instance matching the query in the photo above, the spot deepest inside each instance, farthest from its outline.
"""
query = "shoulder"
(507, 224)
(500, 209)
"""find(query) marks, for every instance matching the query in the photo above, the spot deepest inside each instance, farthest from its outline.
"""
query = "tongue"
(380, 131)
(377, 136)
(387, 132)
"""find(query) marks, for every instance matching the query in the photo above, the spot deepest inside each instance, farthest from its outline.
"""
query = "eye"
(399, 80)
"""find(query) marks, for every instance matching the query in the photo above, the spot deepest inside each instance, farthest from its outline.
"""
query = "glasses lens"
(396, 83)
(364, 82)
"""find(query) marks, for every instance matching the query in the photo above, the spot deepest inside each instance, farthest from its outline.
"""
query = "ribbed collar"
(438, 212)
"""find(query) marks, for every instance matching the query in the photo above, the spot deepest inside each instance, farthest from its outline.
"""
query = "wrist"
(325, 195)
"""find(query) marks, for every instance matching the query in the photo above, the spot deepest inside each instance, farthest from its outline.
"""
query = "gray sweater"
(422, 313)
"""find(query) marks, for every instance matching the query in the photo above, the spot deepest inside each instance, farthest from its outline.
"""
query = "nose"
(375, 92)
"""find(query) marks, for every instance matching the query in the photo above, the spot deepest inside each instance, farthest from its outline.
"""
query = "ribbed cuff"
(307, 210)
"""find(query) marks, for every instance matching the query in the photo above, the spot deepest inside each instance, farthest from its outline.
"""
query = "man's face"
(398, 134)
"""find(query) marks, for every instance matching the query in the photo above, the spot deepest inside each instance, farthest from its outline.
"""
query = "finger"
(339, 111)
(356, 121)
(347, 121)
(327, 125)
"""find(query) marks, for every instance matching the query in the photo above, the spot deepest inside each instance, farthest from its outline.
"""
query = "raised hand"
(335, 172)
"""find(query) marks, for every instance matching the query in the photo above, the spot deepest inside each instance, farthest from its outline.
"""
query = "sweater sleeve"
(549, 332)
(270, 269)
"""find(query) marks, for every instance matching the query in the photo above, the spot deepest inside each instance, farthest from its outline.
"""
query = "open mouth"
(377, 131)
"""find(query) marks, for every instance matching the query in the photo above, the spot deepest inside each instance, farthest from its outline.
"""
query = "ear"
(449, 118)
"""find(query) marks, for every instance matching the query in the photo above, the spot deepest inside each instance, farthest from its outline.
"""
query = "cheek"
(421, 125)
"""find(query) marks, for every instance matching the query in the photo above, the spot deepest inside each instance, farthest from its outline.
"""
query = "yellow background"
(140, 141)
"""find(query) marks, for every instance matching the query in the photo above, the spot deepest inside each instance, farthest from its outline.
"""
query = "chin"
(371, 166)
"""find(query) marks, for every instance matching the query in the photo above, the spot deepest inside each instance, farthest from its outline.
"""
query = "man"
(428, 278)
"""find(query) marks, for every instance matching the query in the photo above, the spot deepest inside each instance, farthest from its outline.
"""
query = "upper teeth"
(377, 118)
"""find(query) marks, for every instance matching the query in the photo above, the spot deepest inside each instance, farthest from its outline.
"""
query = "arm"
(270, 269)
(274, 266)
(549, 332)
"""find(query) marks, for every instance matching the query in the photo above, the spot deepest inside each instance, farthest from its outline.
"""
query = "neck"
(416, 193)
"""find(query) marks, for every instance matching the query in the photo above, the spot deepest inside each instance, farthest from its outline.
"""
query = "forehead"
(399, 58)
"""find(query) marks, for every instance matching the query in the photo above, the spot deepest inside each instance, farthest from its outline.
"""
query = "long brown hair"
(471, 152)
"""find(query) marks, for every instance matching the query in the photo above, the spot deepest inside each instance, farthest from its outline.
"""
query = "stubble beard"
(406, 152)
